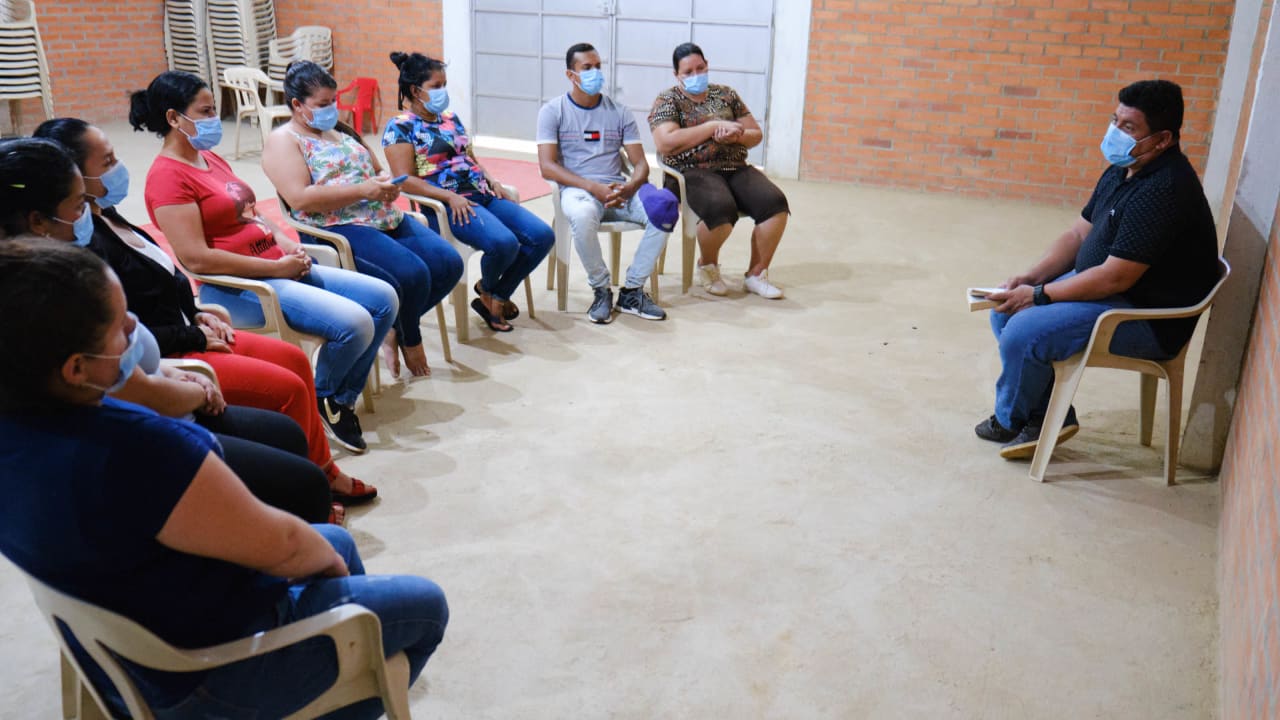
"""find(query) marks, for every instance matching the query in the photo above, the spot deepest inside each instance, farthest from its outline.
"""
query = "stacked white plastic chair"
(239, 33)
(308, 42)
(186, 27)
(24, 73)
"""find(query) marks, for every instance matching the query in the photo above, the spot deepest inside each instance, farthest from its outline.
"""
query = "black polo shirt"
(1158, 217)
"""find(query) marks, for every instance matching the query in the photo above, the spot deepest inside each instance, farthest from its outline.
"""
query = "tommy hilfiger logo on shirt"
(591, 135)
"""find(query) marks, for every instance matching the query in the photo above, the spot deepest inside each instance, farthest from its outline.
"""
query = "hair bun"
(398, 58)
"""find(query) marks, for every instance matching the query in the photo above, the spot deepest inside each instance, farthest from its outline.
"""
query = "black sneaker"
(602, 307)
(1024, 445)
(991, 429)
(637, 302)
(343, 425)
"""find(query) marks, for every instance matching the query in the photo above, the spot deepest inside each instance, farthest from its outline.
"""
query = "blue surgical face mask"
(128, 361)
(1116, 146)
(83, 226)
(116, 182)
(591, 81)
(437, 100)
(323, 119)
(696, 84)
(208, 133)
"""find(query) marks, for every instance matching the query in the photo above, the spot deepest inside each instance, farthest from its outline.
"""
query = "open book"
(977, 298)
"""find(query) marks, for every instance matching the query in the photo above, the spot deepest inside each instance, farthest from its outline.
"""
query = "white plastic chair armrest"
(192, 365)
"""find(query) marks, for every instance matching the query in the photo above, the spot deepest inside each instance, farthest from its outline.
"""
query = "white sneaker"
(760, 285)
(711, 281)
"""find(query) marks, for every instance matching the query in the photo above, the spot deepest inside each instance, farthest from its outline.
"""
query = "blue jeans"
(352, 312)
(1033, 339)
(585, 213)
(413, 613)
(414, 260)
(512, 239)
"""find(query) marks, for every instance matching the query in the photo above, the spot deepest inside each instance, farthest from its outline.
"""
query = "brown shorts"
(717, 196)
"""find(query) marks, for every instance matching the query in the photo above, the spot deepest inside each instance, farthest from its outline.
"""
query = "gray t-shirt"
(589, 138)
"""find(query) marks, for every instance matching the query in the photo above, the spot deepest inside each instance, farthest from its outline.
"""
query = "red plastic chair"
(368, 102)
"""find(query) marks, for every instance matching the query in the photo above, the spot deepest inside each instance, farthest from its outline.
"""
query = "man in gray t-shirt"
(579, 136)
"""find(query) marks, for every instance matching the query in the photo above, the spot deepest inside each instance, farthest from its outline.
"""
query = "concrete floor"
(771, 509)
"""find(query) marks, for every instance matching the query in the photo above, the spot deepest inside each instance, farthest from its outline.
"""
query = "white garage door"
(519, 45)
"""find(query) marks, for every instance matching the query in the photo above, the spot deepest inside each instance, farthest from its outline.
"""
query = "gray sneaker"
(602, 307)
(637, 302)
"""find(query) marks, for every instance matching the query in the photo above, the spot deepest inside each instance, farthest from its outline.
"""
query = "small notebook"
(977, 298)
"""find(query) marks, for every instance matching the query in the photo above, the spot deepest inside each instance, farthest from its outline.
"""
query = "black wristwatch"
(1039, 296)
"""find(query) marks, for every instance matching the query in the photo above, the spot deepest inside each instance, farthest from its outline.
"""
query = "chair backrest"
(244, 82)
(104, 635)
(366, 90)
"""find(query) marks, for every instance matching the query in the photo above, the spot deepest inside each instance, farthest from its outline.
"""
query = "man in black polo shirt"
(1145, 239)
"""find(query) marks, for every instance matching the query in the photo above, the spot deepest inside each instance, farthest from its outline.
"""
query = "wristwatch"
(1039, 296)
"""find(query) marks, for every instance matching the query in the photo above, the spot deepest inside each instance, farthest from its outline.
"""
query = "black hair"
(684, 50)
(69, 133)
(574, 50)
(171, 90)
(54, 298)
(303, 78)
(1160, 101)
(35, 175)
(415, 69)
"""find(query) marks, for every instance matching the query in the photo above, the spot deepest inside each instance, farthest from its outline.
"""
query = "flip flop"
(360, 494)
(510, 311)
(495, 324)
(337, 514)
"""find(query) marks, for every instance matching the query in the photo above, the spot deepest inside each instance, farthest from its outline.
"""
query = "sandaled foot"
(509, 309)
(347, 490)
(496, 324)
(415, 358)
(337, 514)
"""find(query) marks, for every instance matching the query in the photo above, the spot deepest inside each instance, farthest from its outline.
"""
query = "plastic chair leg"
(1173, 434)
(528, 297)
(1067, 374)
(552, 257)
(459, 299)
(686, 253)
(615, 244)
(444, 334)
(397, 673)
(662, 260)
(70, 685)
(653, 285)
(1147, 406)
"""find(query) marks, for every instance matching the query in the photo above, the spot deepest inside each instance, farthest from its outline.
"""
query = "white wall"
(786, 93)
(1235, 79)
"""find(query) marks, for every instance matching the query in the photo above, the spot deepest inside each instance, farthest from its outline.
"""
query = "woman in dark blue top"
(137, 513)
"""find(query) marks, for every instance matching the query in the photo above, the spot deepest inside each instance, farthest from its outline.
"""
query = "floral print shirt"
(440, 151)
(346, 162)
(722, 103)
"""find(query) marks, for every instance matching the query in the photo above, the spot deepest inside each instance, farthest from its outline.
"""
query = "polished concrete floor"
(771, 509)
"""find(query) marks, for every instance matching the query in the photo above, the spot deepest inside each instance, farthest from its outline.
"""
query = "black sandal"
(509, 309)
(495, 324)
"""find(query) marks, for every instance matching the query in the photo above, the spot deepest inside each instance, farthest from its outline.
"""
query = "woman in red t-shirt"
(210, 219)
(253, 370)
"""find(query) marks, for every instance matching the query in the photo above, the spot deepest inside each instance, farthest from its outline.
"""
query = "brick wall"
(1250, 535)
(366, 31)
(97, 52)
(1005, 98)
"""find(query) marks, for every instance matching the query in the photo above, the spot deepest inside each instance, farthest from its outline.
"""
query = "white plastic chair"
(1097, 353)
(688, 231)
(274, 324)
(347, 260)
(563, 250)
(308, 42)
(244, 83)
(192, 365)
(459, 295)
(356, 633)
(24, 72)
